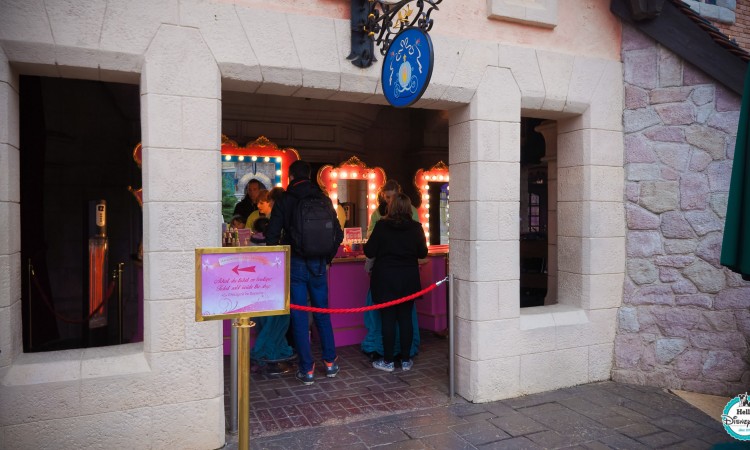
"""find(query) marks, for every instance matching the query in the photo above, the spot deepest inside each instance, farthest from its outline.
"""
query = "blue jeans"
(308, 276)
(270, 342)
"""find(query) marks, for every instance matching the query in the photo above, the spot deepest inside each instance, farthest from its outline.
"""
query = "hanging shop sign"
(241, 282)
(407, 67)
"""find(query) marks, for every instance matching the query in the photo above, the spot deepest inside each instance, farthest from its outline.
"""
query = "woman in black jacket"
(397, 243)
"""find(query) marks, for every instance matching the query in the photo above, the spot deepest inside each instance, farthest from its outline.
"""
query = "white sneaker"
(382, 365)
(407, 365)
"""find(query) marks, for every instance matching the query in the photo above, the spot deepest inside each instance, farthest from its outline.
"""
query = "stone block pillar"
(10, 217)
(485, 169)
(181, 125)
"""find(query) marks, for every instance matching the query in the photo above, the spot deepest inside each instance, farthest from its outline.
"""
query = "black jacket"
(397, 247)
(245, 207)
(279, 226)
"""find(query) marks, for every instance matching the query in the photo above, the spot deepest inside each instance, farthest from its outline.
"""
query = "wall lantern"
(377, 21)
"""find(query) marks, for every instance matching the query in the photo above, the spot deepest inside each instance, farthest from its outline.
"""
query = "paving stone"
(718, 437)
(629, 413)
(447, 441)
(486, 436)
(620, 441)
(466, 409)
(538, 399)
(380, 434)
(520, 443)
(423, 431)
(692, 444)
(517, 424)
(681, 426)
(404, 445)
(466, 429)
(567, 422)
(552, 439)
(593, 445)
(639, 429)
(660, 439)
(483, 416)
(499, 409)
(282, 443)
(586, 408)
(616, 422)
(642, 409)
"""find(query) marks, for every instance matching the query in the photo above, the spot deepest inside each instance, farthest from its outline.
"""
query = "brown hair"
(391, 185)
(275, 194)
(263, 196)
(400, 208)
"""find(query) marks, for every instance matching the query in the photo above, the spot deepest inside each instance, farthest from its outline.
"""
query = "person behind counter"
(249, 202)
(372, 344)
(308, 275)
(237, 222)
(397, 243)
(265, 211)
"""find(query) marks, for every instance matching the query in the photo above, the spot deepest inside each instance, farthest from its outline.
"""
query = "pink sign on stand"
(234, 282)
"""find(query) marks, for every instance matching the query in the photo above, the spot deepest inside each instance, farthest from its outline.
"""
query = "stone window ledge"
(78, 364)
(540, 13)
(552, 316)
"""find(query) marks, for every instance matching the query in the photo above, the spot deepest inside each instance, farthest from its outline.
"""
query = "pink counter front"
(348, 284)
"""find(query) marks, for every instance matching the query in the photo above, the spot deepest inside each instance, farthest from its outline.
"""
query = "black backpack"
(315, 229)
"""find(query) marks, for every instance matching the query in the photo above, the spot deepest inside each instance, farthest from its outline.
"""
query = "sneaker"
(332, 368)
(382, 365)
(306, 378)
(407, 365)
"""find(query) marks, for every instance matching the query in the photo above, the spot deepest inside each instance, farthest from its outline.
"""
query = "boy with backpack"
(305, 219)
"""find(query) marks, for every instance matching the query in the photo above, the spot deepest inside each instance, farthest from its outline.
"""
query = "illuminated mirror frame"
(138, 158)
(352, 169)
(438, 172)
(264, 150)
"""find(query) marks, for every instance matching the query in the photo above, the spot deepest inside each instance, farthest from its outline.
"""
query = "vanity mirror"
(261, 160)
(433, 188)
(354, 186)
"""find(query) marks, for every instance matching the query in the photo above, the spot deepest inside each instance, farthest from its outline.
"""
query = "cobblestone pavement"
(363, 408)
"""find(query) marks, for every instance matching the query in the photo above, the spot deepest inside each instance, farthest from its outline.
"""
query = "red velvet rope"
(48, 304)
(369, 308)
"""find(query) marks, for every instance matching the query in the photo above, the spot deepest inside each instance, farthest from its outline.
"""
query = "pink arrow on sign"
(237, 268)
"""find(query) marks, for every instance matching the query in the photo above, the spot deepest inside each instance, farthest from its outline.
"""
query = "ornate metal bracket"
(377, 21)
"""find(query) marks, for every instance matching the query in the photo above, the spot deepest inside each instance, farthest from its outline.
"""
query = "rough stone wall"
(685, 320)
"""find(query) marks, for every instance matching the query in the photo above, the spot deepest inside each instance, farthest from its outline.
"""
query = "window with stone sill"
(81, 225)
(723, 11)
(540, 13)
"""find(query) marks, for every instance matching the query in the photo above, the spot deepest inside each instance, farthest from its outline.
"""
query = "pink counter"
(348, 284)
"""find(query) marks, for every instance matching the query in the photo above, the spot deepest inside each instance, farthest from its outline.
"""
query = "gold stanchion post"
(243, 325)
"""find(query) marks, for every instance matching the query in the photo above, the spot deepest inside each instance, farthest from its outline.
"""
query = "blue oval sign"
(407, 67)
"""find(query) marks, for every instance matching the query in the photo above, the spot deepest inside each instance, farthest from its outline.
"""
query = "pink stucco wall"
(584, 27)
